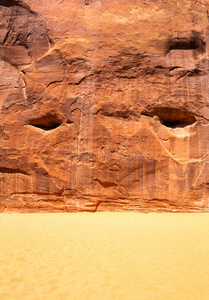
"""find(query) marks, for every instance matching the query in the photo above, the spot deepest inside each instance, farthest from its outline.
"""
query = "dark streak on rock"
(105, 184)
(12, 171)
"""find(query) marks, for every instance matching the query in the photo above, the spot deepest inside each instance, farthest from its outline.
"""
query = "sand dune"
(104, 256)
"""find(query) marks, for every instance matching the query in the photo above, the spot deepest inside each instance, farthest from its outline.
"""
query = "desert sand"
(104, 256)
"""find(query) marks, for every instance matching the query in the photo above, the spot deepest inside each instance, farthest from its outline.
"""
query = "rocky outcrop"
(104, 105)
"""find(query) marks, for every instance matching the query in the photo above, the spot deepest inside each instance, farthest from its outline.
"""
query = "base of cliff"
(37, 203)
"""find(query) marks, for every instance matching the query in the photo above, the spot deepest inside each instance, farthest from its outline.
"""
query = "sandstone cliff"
(104, 105)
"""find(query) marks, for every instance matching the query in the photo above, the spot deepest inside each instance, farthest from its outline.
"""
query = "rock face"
(104, 105)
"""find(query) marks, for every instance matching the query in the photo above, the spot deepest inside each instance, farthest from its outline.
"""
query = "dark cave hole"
(171, 117)
(48, 122)
(193, 43)
(177, 123)
(7, 3)
(17, 3)
(183, 44)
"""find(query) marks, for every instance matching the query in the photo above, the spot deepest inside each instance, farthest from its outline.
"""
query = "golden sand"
(104, 256)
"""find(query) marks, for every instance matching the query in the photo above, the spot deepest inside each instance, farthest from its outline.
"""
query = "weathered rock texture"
(104, 105)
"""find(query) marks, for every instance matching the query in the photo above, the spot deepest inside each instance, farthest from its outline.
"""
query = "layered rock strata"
(104, 105)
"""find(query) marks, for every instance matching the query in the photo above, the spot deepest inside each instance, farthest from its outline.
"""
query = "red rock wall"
(104, 105)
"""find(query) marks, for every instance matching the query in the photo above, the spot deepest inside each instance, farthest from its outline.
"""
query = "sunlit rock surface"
(104, 105)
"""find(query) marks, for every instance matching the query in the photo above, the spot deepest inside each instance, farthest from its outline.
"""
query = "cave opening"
(171, 117)
(47, 122)
(195, 42)
(7, 3)
(183, 45)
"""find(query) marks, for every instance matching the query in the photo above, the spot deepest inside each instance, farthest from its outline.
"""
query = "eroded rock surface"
(104, 105)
